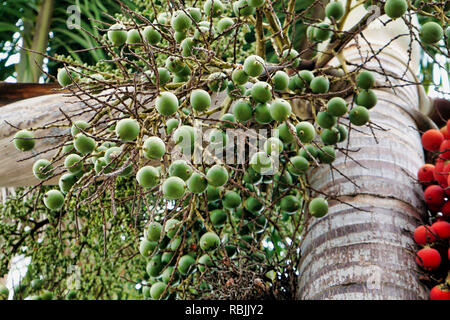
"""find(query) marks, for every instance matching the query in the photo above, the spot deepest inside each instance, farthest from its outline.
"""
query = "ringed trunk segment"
(363, 248)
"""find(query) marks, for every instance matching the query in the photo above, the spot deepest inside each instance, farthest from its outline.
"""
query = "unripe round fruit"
(117, 34)
(290, 204)
(254, 205)
(330, 136)
(441, 229)
(185, 264)
(47, 295)
(42, 169)
(218, 217)
(174, 64)
(242, 111)
(261, 92)
(280, 80)
(304, 78)
(63, 77)
(365, 80)
(197, 183)
(212, 193)
(434, 195)
(298, 165)
(262, 113)
(428, 258)
(147, 177)
(24, 140)
(241, 8)
(84, 144)
(73, 163)
(77, 125)
(133, 37)
(325, 120)
(154, 231)
(195, 13)
(112, 153)
(184, 138)
(280, 109)
(320, 84)
(164, 76)
(254, 65)
(318, 207)
(312, 151)
(173, 188)
(180, 21)
(180, 168)
(213, 6)
(359, 116)
(322, 32)
(424, 235)
(256, 3)
(127, 129)
(367, 98)
(154, 148)
(284, 133)
(439, 293)
(166, 103)
(432, 140)
(291, 57)
(54, 200)
(395, 8)
(273, 144)
(200, 100)
(224, 24)
(231, 200)
(66, 181)
(239, 76)
(327, 154)
(431, 33)
(261, 162)
(167, 275)
(171, 227)
(204, 261)
(217, 81)
(151, 35)
(146, 247)
(187, 47)
(343, 132)
(171, 125)
(305, 131)
(337, 107)
(217, 176)
(334, 10)
(209, 241)
(157, 290)
(425, 174)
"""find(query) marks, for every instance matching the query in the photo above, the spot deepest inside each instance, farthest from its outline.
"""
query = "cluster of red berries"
(434, 238)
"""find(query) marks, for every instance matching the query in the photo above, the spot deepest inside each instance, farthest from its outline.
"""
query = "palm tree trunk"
(363, 248)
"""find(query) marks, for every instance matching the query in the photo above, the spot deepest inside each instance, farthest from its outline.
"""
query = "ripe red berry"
(445, 132)
(444, 149)
(424, 235)
(434, 195)
(426, 173)
(439, 293)
(432, 140)
(434, 208)
(446, 210)
(442, 229)
(439, 174)
(428, 258)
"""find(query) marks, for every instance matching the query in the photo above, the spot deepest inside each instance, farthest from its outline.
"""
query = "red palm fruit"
(432, 140)
(424, 235)
(428, 258)
(442, 229)
(426, 173)
(446, 210)
(445, 133)
(444, 150)
(434, 195)
(438, 173)
(439, 293)
(448, 125)
(434, 208)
